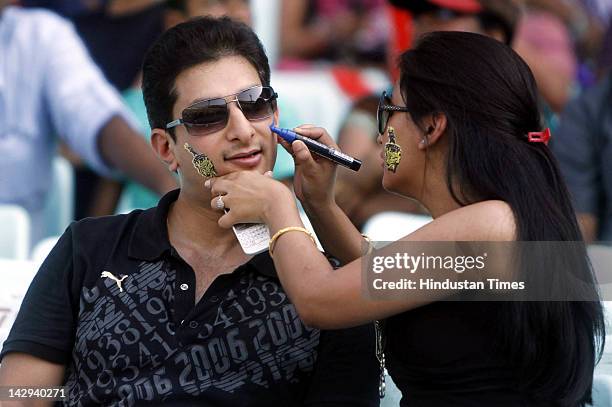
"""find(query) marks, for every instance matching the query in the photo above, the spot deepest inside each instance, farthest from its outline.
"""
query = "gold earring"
(393, 152)
(201, 163)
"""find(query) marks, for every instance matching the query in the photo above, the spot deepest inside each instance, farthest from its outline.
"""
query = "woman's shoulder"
(491, 220)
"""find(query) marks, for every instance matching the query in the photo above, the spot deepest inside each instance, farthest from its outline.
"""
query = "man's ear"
(164, 146)
(434, 126)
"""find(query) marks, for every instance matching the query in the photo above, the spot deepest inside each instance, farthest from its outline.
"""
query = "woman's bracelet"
(369, 242)
(289, 229)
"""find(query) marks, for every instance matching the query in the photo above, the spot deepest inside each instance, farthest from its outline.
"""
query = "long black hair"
(489, 97)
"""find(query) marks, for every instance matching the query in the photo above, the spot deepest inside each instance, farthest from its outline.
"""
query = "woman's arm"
(327, 298)
(336, 232)
(330, 299)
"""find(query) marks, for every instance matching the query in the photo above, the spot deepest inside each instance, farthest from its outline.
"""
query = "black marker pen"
(319, 148)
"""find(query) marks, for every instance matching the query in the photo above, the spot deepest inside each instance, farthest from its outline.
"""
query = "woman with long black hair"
(462, 136)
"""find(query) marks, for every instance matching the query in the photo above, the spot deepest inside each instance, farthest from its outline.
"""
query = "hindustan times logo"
(410, 263)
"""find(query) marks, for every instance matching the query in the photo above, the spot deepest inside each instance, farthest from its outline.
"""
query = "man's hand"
(250, 197)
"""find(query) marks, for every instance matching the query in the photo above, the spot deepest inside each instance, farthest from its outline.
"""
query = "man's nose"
(238, 126)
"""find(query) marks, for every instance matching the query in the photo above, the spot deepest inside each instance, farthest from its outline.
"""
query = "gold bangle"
(289, 229)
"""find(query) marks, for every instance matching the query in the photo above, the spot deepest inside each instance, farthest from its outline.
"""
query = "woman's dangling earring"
(201, 163)
(393, 152)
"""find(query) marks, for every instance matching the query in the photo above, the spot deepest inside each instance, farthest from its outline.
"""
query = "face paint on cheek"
(393, 152)
(201, 163)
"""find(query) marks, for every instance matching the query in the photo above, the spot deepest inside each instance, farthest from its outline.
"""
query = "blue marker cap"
(288, 135)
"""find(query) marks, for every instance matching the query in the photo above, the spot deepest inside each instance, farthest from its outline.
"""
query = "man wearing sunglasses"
(178, 11)
(162, 305)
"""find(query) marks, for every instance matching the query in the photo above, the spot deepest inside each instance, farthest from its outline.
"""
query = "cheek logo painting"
(393, 152)
(201, 163)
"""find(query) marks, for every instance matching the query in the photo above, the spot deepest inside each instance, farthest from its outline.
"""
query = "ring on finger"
(219, 204)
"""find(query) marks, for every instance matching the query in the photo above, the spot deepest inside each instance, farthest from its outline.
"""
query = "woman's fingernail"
(207, 183)
(268, 174)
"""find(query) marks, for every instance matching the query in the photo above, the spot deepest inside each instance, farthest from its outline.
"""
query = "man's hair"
(197, 41)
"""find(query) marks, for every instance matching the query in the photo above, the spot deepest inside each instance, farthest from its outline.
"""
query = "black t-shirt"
(114, 302)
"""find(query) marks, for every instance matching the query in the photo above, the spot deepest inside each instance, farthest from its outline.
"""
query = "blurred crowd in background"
(353, 44)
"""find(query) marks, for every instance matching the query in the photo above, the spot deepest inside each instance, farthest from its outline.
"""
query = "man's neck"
(194, 233)
(192, 223)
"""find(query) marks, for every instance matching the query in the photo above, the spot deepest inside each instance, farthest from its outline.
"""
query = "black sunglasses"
(384, 111)
(211, 115)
